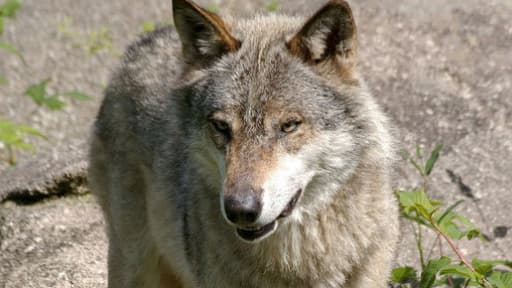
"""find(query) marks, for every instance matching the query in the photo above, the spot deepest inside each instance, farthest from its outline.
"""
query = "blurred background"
(441, 69)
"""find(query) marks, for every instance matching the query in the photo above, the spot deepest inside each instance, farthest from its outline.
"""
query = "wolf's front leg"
(132, 264)
(133, 257)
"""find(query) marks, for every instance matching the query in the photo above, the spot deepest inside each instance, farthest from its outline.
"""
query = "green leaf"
(31, 131)
(9, 48)
(434, 156)
(148, 26)
(272, 6)
(482, 267)
(77, 95)
(54, 103)
(419, 152)
(3, 80)
(1, 25)
(13, 135)
(38, 92)
(403, 275)
(406, 156)
(501, 279)
(417, 166)
(459, 270)
(452, 230)
(9, 8)
(457, 226)
(416, 201)
(429, 274)
(23, 146)
(450, 209)
(417, 219)
(473, 233)
(458, 282)
(485, 266)
(100, 40)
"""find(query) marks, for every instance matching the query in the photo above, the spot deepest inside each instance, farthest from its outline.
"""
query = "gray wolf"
(245, 153)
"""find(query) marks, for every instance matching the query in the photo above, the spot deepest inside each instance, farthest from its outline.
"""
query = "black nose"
(242, 210)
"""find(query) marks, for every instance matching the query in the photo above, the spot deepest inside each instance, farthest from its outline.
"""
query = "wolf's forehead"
(263, 78)
(263, 29)
(259, 78)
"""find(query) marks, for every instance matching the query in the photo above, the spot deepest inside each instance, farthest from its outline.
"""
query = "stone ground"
(442, 69)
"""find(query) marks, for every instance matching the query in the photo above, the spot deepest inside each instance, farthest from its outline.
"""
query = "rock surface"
(442, 69)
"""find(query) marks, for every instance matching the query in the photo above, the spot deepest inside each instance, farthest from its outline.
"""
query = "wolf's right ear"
(205, 37)
(329, 35)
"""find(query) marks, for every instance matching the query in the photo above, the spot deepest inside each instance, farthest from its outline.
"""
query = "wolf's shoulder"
(152, 59)
(152, 42)
(139, 87)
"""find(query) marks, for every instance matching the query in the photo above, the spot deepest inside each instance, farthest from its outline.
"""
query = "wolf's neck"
(328, 241)
(301, 247)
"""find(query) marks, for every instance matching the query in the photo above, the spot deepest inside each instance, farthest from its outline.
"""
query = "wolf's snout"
(242, 210)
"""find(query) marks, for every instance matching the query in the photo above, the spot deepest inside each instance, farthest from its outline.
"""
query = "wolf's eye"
(290, 126)
(220, 126)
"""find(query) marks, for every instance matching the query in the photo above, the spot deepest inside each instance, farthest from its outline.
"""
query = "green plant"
(14, 136)
(148, 26)
(449, 227)
(272, 6)
(94, 42)
(8, 10)
(38, 93)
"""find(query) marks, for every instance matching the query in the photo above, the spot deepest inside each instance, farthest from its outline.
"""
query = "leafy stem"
(457, 251)
(448, 226)
(419, 244)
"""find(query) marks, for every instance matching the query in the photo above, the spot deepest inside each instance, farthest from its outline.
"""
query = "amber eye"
(290, 126)
(220, 126)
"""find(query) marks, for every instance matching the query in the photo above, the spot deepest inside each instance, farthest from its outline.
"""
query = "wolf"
(234, 152)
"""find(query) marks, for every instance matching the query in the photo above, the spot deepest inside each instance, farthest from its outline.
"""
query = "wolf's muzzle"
(242, 210)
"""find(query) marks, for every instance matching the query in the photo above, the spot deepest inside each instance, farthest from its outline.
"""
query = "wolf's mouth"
(257, 233)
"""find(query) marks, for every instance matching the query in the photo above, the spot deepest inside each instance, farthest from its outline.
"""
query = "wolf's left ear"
(205, 37)
(329, 34)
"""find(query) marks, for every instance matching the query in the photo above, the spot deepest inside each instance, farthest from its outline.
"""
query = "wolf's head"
(281, 107)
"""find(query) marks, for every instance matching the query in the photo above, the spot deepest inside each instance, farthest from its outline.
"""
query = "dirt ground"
(442, 70)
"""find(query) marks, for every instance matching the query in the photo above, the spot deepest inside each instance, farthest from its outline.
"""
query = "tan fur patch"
(249, 165)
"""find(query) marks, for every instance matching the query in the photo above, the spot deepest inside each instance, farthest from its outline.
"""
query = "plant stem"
(10, 155)
(425, 183)
(432, 247)
(419, 244)
(454, 248)
(450, 281)
(457, 251)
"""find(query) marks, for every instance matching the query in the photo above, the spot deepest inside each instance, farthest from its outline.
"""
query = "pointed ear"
(205, 37)
(329, 34)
